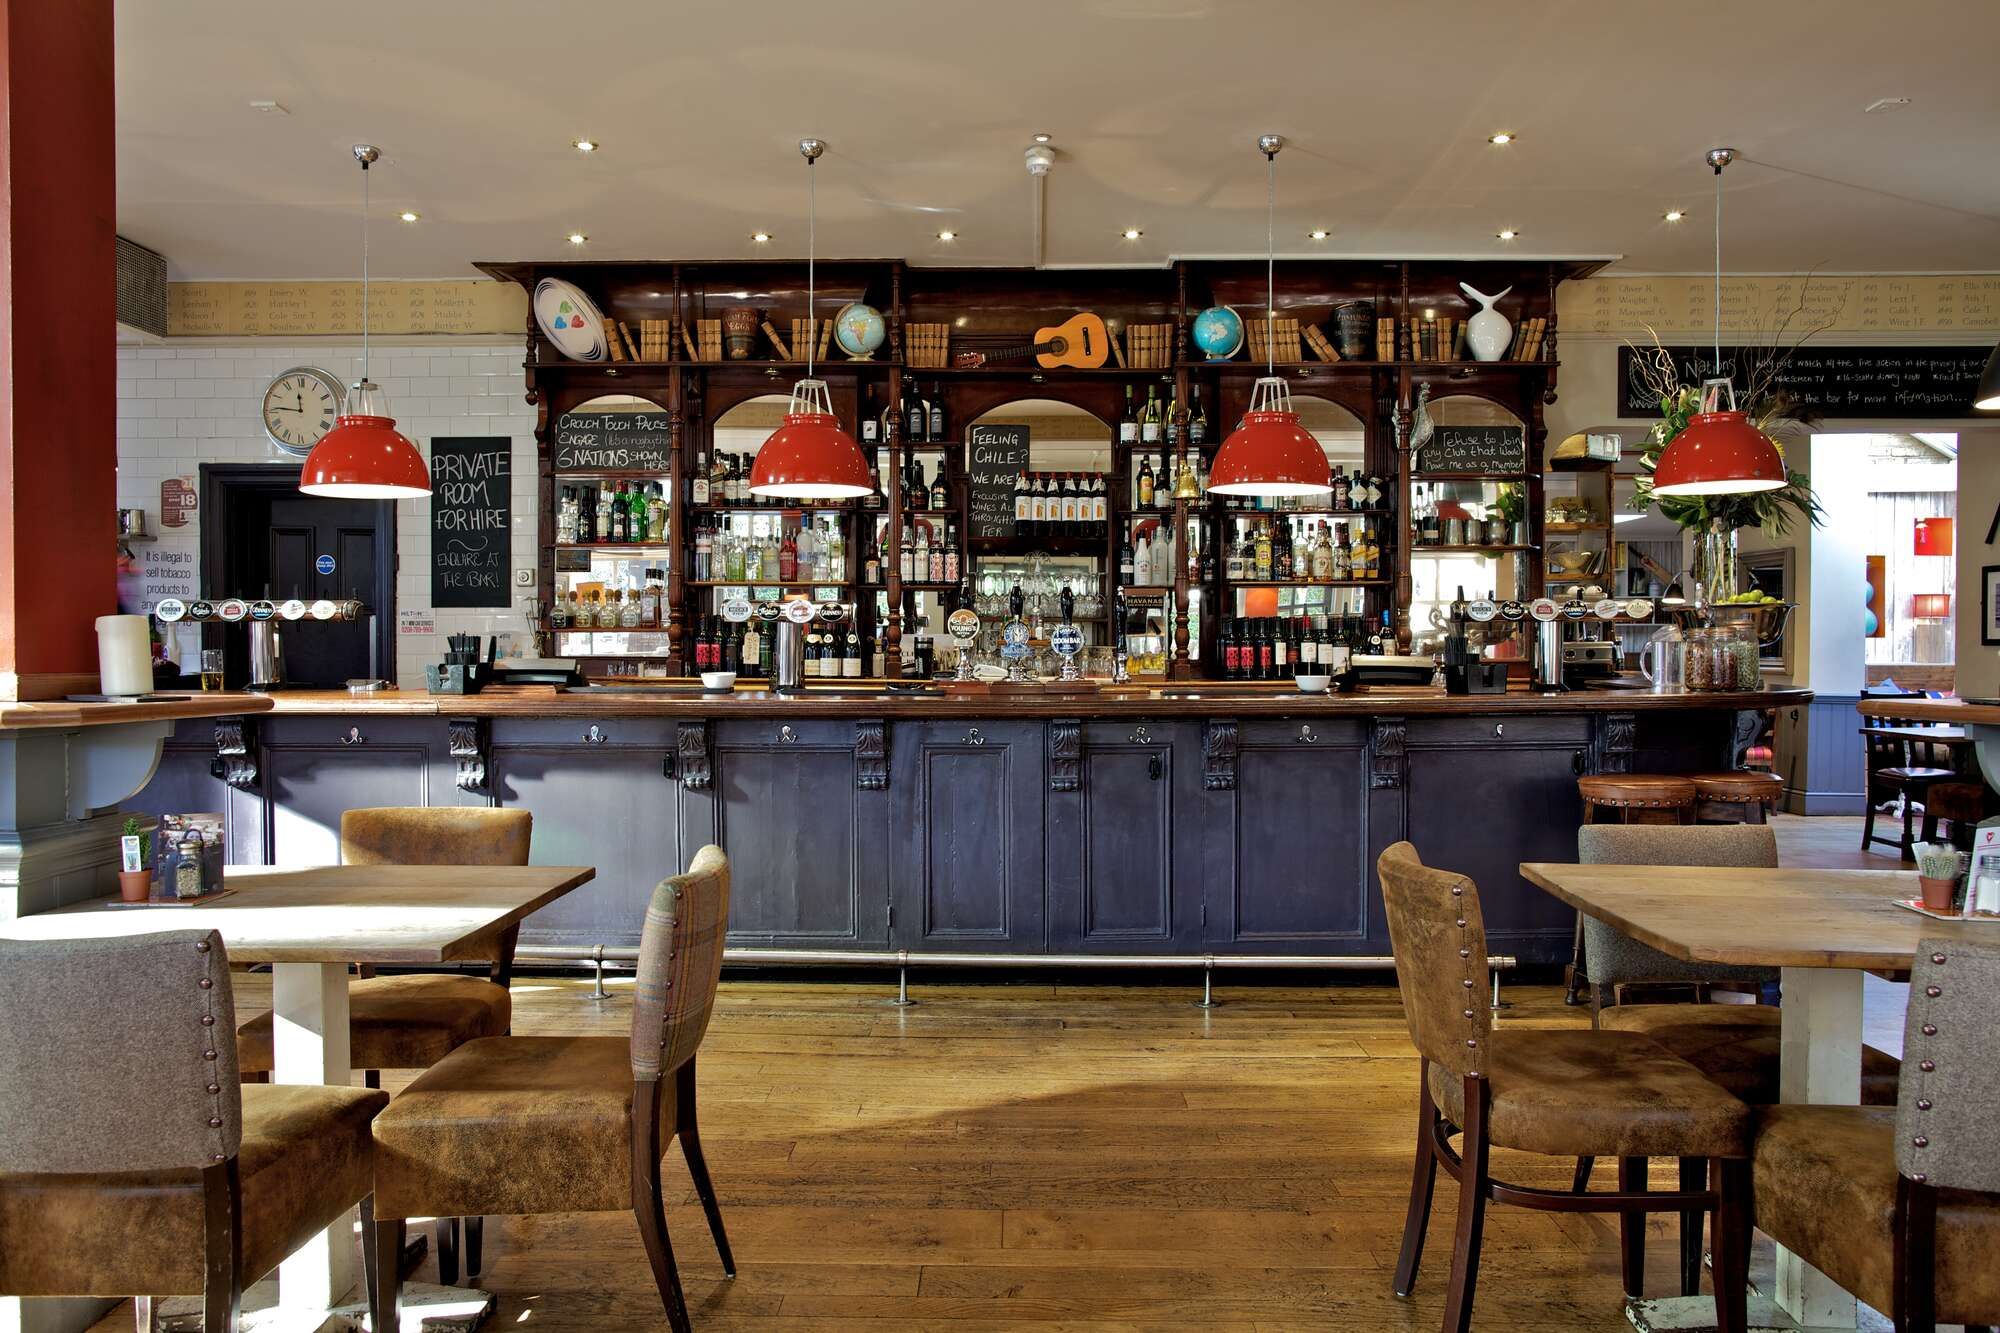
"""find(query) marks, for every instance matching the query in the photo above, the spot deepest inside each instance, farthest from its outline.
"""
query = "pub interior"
(1081, 646)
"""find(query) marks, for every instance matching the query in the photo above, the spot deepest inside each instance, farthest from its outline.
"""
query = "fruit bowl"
(1766, 620)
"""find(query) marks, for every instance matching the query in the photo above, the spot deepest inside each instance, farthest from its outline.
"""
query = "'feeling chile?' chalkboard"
(472, 520)
(994, 457)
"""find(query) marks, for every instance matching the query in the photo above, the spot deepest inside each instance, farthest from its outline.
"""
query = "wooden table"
(1824, 928)
(1938, 734)
(310, 925)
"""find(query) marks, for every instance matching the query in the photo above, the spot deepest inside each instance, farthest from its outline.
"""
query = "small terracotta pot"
(135, 886)
(1937, 892)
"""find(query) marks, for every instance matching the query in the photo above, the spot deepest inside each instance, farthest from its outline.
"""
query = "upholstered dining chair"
(1560, 1092)
(132, 1162)
(530, 1125)
(414, 1021)
(1736, 1045)
(1902, 1206)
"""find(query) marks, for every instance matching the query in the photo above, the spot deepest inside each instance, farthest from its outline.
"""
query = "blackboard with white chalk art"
(994, 459)
(472, 520)
(1475, 449)
(613, 442)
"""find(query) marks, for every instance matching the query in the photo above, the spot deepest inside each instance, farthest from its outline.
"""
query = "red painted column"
(58, 358)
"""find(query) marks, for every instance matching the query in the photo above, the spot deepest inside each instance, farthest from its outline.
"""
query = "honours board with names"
(995, 457)
(1475, 449)
(472, 519)
(613, 442)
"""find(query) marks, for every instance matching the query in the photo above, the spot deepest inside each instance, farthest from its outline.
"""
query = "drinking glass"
(211, 669)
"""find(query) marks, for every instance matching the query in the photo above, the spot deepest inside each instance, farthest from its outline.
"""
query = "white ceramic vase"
(1488, 332)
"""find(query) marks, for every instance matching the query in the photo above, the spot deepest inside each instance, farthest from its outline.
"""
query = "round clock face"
(299, 407)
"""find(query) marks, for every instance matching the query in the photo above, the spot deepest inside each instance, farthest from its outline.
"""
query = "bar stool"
(1739, 797)
(1624, 798)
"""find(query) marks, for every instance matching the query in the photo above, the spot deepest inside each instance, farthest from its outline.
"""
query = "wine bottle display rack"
(694, 383)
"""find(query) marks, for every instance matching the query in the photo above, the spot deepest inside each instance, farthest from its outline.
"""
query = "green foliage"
(1510, 502)
(131, 830)
(1773, 512)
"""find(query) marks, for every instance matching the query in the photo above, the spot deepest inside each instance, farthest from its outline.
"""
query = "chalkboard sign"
(613, 442)
(1475, 449)
(995, 457)
(472, 520)
(1834, 383)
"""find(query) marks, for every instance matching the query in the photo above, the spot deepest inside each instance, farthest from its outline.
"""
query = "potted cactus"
(135, 863)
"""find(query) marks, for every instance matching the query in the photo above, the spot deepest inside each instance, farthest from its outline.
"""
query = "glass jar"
(1746, 659)
(1700, 660)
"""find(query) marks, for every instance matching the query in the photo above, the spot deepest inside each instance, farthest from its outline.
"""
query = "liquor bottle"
(1197, 427)
(698, 477)
(871, 428)
(951, 569)
(753, 647)
(1207, 572)
(788, 560)
(1038, 507)
(871, 567)
(916, 491)
(1125, 562)
(1099, 516)
(915, 418)
(1262, 554)
(1266, 652)
(1173, 425)
(940, 492)
(1281, 652)
(920, 559)
(1128, 425)
(1023, 519)
(1343, 489)
(1073, 520)
(1144, 497)
(877, 664)
(850, 657)
(1142, 561)
(1149, 418)
(907, 563)
(1232, 565)
(934, 419)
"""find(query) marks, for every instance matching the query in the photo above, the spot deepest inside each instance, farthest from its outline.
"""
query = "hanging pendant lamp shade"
(364, 456)
(1719, 452)
(1270, 453)
(810, 457)
(1986, 397)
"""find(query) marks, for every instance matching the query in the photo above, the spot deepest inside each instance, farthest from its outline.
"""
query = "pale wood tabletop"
(1755, 918)
(336, 914)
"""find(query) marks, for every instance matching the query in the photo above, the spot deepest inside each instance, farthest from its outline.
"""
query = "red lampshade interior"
(1931, 605)
(811, 458)
(1719, 453)
(365, 458)
(1270, 454)
(1935, 536)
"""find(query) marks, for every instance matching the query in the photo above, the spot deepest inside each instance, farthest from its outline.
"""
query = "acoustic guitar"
(1079, 342)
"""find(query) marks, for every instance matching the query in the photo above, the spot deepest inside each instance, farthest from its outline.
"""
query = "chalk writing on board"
(994, 457)
(472, 519)
(613, 442)
(1934, 383)
(1475, 449)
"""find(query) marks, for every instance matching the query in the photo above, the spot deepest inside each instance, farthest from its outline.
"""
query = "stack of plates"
(570, 320)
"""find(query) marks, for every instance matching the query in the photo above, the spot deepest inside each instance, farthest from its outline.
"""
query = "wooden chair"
(1561, 1092)
(1740, 796)
(1902, 1207)
(1624, 798)
(414, 1021)
(132, 1161)
(1959, 804)
(1900, 770)
(531, 1125)
(1734, 1045)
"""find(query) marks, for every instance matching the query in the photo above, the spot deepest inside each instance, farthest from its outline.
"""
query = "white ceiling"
(1152, 104)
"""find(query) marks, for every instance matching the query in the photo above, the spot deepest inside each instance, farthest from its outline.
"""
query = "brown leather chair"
(1902, 1207)
(530, 1125)
(414, 1021)
(1561, 1092)
(132, 1161)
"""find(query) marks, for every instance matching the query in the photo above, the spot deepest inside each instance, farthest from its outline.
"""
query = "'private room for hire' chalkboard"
(472, 520)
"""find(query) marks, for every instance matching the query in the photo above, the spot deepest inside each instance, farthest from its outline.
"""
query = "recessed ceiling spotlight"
(1041, 138)
(1674, 215)
(761, 237)
(409, 215)
(1132, 233)
(947, 235)
(264, 106)
(1502, 139)
(585, 145)
(1507, 233)
(577, 238)
(1319, 233)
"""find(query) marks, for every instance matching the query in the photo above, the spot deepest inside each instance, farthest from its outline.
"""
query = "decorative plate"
(570, 320)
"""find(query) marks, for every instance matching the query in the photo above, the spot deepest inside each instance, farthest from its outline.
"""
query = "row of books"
(1444, 339)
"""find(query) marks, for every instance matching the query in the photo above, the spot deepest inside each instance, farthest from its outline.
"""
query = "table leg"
(309, 1034)
(1819, 1064)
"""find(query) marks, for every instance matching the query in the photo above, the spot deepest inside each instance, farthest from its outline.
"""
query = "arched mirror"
(611, 457)
(744, 545)
(1469, 498)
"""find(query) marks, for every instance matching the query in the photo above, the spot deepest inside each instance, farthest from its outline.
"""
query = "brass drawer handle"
(786, 735)
(972, 736)
(1499, 729)
(595, 735)
(1140, 736)
(354, 737)
(1305, 736)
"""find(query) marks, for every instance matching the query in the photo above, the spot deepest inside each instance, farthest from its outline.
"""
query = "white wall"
(182, 403)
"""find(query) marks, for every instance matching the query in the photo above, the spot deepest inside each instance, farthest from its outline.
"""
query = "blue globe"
(1218, 331)
(859, 330)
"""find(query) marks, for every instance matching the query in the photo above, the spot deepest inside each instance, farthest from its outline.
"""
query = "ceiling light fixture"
(1674, 215)
(577, 238)
(761, 237)
(585, 145)
(1502, 139)
(1041, 138)
(1270, 453)
(409, 215)
(1507, 234)
(810, 457)
(1132, 233)
(1719, 452)
(947, 235)
(1986, 398)
(364, 456)
(1318, 233)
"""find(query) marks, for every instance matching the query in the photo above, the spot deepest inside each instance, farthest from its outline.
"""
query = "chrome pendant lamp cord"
(1270, 262)
(364, 269)
(1718, 270)
(812, 250)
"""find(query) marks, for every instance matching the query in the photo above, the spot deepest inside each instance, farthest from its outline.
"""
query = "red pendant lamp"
(364, 456)
(810, 457)
(1270, 453)
(1719, 452)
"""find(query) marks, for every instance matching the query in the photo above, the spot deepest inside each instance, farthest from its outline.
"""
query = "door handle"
(667, 765)
(1499, 729)
(1153, 768)
(354, 737)
(1577, 764)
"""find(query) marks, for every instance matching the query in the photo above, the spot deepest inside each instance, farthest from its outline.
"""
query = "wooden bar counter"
(1163, 820)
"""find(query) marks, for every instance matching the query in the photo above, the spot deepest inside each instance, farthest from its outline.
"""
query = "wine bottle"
(934, 427)
(1128, 425)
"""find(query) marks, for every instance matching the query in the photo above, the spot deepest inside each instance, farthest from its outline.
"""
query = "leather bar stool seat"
(1736, 1046)
(1633, 798)
(407, 1022)
(1739, 797)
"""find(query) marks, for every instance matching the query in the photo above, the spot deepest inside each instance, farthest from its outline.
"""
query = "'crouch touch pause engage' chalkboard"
(472, 520)
(995, 457)
(613, 442)
(1475, 449)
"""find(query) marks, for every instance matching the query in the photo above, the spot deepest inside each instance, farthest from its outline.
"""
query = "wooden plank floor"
(1052, 1157)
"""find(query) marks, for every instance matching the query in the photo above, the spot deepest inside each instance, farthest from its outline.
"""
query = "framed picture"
(1989, 605)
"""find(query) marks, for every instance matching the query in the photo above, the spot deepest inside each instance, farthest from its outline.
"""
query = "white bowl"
(718, 680)
(1313, 684)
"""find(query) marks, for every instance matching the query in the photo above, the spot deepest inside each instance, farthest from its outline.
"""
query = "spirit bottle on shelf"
(940, 492)
(951, 557)
(1322, 555)
(920, 559)
(1262, 554)
(788, 560)
(1343, 489)
(935, 564)
(1124, 562)
(1197, 427)
(1022, 501)
(1149, 418)
(907, 566)
(1098, 515)
(1143, 488)
(558, 616)
(698, 480)
(1128, 425)
(915, 418)
(1142, 561)
(871, 567)
(934, 417)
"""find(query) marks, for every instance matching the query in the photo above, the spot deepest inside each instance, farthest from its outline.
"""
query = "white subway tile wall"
(184, 404)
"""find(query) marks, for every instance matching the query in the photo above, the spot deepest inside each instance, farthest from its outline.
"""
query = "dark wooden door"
(1124, 848)
(967, 866)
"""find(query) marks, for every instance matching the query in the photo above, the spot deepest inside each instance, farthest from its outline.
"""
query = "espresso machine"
(1571, 649)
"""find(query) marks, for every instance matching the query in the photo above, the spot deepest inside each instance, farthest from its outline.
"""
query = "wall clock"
(300, 406)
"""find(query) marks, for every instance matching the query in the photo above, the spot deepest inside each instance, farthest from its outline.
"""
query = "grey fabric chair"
(132, 1161)
(1902, 1207)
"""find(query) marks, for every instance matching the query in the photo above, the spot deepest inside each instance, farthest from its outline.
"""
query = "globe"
(859, 330)
(1218, 331)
